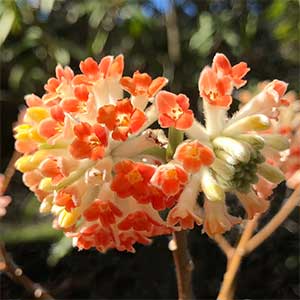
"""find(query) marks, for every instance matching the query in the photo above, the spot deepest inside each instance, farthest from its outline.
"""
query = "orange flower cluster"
(92, 160)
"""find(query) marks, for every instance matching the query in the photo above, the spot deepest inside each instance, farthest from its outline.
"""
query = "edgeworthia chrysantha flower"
(110, 181)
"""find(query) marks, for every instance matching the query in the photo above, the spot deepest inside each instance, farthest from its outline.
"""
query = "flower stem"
(10, 170)
(248, 244)
(7, 265)
(236, 259)
(275, 222)
(184, 265)
(14, 272)
(224, 245)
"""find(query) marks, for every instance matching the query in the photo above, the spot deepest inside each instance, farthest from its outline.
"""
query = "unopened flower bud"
(270, 172)
(254, 122)
(236, 149)
(46, 184)
(36, 113)
(67, 219)
(211, 188)
(253, 139)
(46, 205)
(276, 141)
(223, 169)
(226, 157)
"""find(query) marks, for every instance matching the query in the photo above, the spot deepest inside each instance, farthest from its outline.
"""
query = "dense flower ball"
(84, 147)
(110, 181)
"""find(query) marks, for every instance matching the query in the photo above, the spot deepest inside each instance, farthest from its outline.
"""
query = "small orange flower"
(49, 128)
(121, 118)
(103, 210)
(158, 199)
(216, 91)
(92, 71)
(132, 179)
(95, 236)
(217, 220)
(253, 204)
(221, 65)
(139, 221)
(173, 110)
(170, 179)
(183, 216)
(66, 199)
(193, 155)
(90, 141)
(50, 167)
(142, 84)
(62, 74)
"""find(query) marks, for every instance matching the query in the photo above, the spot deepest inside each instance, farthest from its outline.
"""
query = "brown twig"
(14, 272)
(248, 244)
(183, 263)
(7, 264)
(224, 245)
(10, 170)
(235, 261)
(275, 222)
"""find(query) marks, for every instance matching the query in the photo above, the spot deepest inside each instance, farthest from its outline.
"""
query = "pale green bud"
(236, 149)
(270, 172)
(253, 139)
(276, 141)
(226, 157)
(212, 190)
(254, 122)
(223, 169)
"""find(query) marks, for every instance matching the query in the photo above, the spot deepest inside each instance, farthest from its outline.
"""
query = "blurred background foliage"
(176, 38)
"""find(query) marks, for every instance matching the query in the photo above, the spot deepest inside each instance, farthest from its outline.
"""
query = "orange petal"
(207, 80)
(137, 120)
(128, 85)
(89, 67)
(221, 64)
(117, 67)
(185, 121)
(48, 128)
(82, 130)
(70, 105)
(165, 121)
(107, 115)
(165, 101)
(81, 92)
(156, 85)
(105, 64)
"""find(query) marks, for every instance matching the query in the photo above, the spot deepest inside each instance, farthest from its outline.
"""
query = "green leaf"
(62, 56)
(203, 39)
(15, 76)
(6, 22)
(28, 233)
(99, 42)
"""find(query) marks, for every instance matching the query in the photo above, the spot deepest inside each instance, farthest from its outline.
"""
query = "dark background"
(174, 38)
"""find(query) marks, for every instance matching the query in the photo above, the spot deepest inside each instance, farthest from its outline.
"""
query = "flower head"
(84, 157)
(229, 154)
(92, 164)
